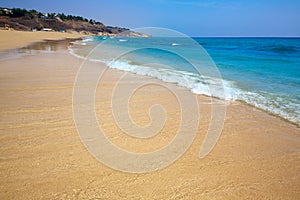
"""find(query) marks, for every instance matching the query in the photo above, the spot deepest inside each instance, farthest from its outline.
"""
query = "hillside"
(32, 20)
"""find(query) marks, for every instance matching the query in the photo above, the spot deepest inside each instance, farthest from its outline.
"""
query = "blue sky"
(191, 17)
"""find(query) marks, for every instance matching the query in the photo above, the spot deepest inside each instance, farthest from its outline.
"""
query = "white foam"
(175, 44)
(84, 41)
(77, 42)
(272, 103)
(72, 52)
(197, 84)
(88, 39)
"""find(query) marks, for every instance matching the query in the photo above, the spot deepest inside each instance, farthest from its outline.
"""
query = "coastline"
(42, 156)
(270, 113)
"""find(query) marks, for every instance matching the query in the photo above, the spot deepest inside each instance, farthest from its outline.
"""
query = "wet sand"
(42, 157)
(16, 39)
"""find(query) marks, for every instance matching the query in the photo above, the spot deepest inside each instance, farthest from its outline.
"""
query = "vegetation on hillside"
(19, 12)
(28, 20)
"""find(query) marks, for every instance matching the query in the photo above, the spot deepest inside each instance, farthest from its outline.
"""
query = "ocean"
(263, 72)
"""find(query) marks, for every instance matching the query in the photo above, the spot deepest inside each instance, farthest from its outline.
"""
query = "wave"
(214, 87)
(283, 49)
(196, 83)
(88, 39)
(72, 52)
(272, 103)
(79, 42)
(84, 41)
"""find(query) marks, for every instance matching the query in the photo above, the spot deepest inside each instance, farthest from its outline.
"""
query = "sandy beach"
(42, 157)
(16, 39)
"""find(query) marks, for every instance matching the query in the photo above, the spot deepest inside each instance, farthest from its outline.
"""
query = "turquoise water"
(264, 72)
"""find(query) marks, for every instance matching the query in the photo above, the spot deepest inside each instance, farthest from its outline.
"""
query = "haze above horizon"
(202, 18)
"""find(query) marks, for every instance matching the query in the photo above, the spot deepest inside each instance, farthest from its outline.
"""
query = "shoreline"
(270, 113)
(74, 38)
(284, 118)
(42, 156)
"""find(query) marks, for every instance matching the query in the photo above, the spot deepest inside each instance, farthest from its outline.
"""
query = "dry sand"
(16, 39)
(42, 157)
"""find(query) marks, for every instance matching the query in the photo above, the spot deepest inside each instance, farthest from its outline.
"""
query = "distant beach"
(16, 39)
(257, 155)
